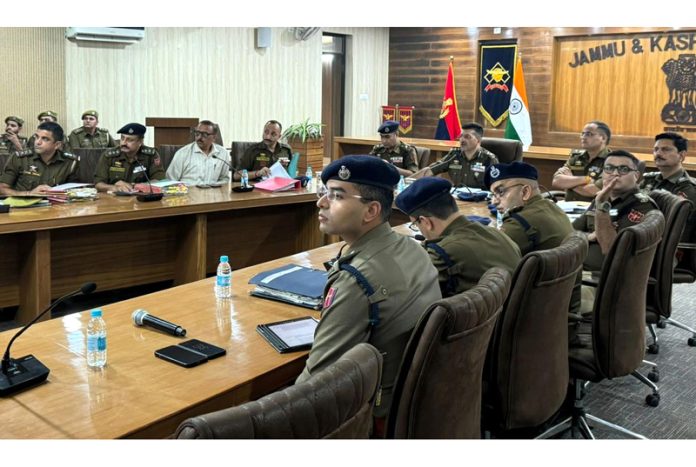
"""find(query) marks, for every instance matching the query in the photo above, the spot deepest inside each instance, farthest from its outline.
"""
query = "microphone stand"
(236, 189)
(23, 372)
(147, 196)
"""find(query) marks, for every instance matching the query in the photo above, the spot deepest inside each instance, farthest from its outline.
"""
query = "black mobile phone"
(209, 350)
(181, 356)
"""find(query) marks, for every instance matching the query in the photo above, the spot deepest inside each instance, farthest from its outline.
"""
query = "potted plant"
(306, 139)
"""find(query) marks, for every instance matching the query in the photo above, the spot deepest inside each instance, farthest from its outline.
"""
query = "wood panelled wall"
(418, 59)
(32, 75)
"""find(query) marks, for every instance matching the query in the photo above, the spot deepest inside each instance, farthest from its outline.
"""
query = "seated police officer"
(402, 155)
(619, 204)
(36, 170)
(460, 249)
(465, 165)
(381, 285)
(119, 169)
(259, 158)
(11, 141)
(532, 222)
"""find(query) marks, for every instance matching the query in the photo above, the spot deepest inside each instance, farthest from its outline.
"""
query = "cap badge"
(495, 172)
(344, 173)
(130, 131)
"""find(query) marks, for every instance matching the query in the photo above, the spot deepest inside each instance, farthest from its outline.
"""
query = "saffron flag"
(449, 127)
(519, 126)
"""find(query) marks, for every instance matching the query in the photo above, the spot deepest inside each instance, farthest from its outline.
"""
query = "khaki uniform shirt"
(680, 184)
(581, 166)
(463, 171)
(403, 156)
(7, 148)
(79, 138)
(405, 285)
(625, 212)
(259, 156)
(472, 249)
(26, 170)
(113, 166)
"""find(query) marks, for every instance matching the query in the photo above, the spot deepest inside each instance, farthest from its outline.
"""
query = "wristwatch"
(604, 207)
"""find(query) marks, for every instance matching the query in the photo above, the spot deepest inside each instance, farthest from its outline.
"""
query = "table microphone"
(236, 189)
(143, 318)
(20, 373)
(147, 196)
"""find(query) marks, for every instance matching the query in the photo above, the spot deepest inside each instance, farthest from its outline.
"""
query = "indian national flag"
(519, 126)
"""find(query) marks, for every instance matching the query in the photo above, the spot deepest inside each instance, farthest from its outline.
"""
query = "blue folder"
(293, 284)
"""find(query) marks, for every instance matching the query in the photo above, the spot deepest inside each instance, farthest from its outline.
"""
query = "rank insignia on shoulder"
(330, 296)
(643, 197)
(26, 152)
(146, 150)
(635, 216)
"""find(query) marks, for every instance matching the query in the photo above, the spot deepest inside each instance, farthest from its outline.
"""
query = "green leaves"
(303, 131)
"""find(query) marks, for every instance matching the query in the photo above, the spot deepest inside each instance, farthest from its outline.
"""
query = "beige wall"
(32, 74)
(217, 73)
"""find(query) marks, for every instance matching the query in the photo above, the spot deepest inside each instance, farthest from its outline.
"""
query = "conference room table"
(118, 242)
(140, 396)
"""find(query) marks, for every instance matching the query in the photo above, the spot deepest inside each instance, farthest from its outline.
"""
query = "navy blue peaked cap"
(363, 170)
(421, 192)
(517, 169)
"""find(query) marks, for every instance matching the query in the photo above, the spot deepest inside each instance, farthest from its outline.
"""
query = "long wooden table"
(120, 242)
(546, 159)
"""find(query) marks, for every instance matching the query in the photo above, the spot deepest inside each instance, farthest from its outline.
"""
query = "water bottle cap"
(224, 259)
(96, 313)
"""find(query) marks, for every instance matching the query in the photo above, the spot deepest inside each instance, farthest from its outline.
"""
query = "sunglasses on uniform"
(620, 169)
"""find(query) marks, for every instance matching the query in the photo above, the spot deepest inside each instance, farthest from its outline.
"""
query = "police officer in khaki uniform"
(467, 164)
(532, 222)
(669, 152)
(47, 116)
(581, 175)
(380, 284)
(461, 250)
(619, 204)
(89, 135)
(119, 169)
(402, 155)
(11, 141)
(37, 170)
(258, 159)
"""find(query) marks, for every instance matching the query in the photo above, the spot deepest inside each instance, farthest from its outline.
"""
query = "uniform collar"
(624, 197)
(456, 224)
(674, 178)
(382, 230)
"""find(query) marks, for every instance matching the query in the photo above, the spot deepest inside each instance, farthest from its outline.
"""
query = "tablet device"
(209, 350)
(290, 335)
(181, 356)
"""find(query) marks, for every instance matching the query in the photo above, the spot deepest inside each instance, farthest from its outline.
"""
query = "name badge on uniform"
(478, 167)
(613, 212)
(456, 166)
(139, 169)
(397, 160)
(578, 163)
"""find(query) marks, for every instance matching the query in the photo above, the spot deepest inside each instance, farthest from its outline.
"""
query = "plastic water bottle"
(223, 281)
(96, 340)
(402, 184)
(245, 178)
(499, 220)
(308, 174)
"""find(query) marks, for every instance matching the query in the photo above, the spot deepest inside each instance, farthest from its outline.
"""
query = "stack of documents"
(292, 284)
(26, 202)
(71, 192)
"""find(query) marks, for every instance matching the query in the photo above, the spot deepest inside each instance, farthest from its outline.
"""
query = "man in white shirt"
(203, 161)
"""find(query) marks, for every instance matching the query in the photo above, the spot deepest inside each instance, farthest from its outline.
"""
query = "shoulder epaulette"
(577, 152)
(286, 146)
(377, 148)
(488, 153)
(687, 178)
(114, 152)
(25, 153)
(102, 130)
(643, 198)
(71, 156)
(77, 131)
(147, 150)
(651, 174)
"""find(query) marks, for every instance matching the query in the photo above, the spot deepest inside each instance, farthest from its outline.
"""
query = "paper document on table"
(277, 170)
(70, 186)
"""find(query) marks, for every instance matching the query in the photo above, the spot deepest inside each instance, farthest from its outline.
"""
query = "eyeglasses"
(333, 195)
(197, 133)
(414, 225)
(587, 133)
(620, 169)
(501, 191)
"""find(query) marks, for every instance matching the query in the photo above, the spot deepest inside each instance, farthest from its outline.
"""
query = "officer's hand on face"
(603, 194)
(122, 186)
(14, 140)
(41, 189)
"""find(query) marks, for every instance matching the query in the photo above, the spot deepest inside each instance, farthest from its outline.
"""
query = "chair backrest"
(437, 393)
(334, 403)
(423, 156)
(529, 351)
(507, 150)
(676, 211)
(167, 151)
(237, 151)
(88, 162)
(618, 323)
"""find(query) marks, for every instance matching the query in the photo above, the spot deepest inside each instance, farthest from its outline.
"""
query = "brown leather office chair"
(615, 344)
(89, 157)
(507, 150)
(527, 374)
(437, 393)
(237, 151)
(166, 152)
(423, 156)
(334, 403)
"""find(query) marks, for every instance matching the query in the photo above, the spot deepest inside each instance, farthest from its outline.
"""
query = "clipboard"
(291, 335)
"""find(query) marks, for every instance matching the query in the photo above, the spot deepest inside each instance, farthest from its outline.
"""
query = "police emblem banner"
(388, 113)
(405, 119)
(496, 78)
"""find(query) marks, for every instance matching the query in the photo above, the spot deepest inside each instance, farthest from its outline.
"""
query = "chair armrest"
(687, 246)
